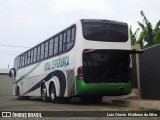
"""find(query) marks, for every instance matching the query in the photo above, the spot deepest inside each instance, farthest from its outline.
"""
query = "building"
(5, 83)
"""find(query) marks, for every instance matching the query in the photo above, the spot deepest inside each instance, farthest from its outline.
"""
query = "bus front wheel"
(18, 94)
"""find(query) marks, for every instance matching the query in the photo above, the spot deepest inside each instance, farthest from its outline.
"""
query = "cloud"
(81, 8)
(28, 22)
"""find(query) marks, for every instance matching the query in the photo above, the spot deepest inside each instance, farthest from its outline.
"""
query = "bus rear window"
(107, 66)
(105, 31)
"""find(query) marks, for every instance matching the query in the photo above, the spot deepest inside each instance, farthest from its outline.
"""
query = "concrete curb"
(147, 104)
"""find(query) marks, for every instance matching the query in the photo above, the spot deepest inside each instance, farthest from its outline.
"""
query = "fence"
(147, 79)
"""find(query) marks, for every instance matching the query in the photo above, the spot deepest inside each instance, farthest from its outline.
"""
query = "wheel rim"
(44, 92)
(52, 95)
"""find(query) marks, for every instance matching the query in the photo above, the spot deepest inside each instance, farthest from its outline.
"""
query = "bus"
(89, 59)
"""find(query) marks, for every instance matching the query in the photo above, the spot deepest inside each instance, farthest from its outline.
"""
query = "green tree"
(148, 36)
(156, 33)
(133, 36)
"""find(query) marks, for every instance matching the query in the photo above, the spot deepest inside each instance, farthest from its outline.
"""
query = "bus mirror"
(12, 72)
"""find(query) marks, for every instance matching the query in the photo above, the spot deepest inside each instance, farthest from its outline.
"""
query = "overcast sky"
(29, 22)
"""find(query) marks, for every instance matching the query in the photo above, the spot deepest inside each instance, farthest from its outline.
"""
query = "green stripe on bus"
(28, 73)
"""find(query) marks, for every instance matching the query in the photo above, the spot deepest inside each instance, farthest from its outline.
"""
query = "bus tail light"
(80, 72)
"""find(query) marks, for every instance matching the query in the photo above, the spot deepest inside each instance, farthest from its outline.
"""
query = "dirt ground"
(10, 103)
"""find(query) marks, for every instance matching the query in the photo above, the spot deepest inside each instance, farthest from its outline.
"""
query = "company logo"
(57, 63)
(6, 114)
(21, 114)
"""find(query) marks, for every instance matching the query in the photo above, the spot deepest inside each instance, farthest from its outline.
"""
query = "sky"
(29, 22)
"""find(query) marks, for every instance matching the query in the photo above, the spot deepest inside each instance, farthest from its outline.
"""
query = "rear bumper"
(102, 88)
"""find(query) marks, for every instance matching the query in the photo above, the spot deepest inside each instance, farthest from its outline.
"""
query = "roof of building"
(4, 71)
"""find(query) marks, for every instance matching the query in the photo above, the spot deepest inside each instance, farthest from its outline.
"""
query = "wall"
(150, 73)
(5, 85)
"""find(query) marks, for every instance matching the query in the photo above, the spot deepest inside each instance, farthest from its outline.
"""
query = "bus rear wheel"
(44, 93)
(53, 97)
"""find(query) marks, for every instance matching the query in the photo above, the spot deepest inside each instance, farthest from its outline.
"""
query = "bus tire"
(44, 93)
(18, 94)
(53, 96)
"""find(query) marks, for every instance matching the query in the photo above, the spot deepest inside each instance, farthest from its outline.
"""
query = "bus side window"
(18, 62)
(70, 38)
(73, 34)
(46, 50)
(35, 54)
(68, 35)
(60, 42)
(56, 45)
(42, 51)
(23, 60)
(31, 56)
(38, 53)
(28, 60)
(64, 41)
(51, 47)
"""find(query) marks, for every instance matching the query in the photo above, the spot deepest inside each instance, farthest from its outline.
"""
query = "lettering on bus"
(57, 63)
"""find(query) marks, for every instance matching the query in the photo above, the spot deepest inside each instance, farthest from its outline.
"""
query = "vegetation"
(147, 36)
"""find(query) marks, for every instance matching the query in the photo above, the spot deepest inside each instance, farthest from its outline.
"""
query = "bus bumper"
(112, 89)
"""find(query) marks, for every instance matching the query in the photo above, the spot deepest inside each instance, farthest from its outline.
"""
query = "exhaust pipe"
(121, 88)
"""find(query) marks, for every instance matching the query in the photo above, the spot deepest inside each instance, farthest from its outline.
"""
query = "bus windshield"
(105, 31)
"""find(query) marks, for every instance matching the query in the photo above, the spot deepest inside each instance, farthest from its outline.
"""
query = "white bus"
(89, 59)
